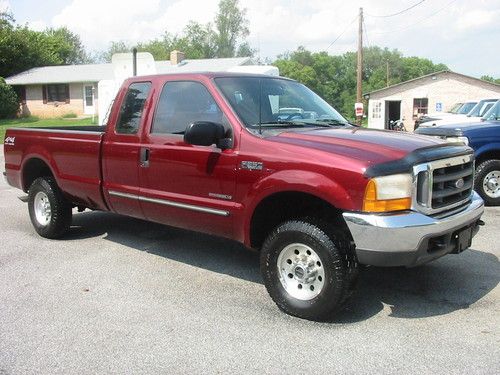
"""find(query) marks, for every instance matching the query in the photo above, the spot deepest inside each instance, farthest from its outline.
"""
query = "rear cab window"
(132, 107)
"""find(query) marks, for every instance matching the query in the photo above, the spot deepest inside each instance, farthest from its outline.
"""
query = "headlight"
(388, 193)
(464, 140)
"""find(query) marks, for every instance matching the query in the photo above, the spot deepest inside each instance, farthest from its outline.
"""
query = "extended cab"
(264, 161)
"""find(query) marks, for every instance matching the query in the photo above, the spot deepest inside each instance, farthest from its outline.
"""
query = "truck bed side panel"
(73, 157)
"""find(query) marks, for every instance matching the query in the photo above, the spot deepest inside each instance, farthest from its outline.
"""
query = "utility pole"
(359, 93)
(387, 73)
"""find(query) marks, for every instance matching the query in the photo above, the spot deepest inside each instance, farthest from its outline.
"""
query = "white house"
(434, 92)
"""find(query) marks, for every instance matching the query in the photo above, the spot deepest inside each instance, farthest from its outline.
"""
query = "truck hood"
(369, 146)
(458, 130)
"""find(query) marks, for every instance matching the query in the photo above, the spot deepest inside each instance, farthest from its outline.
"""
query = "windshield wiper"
(332, 121)
(281, 122)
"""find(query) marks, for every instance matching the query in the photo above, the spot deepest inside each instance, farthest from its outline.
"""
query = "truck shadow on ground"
(449, 284)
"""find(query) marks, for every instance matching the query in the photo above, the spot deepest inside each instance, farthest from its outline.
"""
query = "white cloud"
(98, 22)
(4, 5)
(432, 29)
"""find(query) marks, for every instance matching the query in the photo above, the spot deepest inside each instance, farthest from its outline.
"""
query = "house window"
(420, 107)
(56, 93)
(377, 109)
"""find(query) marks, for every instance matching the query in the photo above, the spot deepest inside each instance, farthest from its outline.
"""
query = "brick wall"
(36, 107)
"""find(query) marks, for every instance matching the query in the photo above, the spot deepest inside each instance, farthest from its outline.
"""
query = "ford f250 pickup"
(264, 161)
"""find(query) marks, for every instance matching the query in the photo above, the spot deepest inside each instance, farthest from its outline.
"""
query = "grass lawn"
(36, 122)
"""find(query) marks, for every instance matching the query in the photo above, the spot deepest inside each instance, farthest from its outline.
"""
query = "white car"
(474, 115)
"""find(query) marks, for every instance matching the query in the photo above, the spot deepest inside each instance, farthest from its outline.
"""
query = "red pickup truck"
(264, 161)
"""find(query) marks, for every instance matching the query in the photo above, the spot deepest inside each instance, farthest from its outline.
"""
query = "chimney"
(176, 57)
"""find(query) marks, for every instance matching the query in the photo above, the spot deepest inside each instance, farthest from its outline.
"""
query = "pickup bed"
(263, 161)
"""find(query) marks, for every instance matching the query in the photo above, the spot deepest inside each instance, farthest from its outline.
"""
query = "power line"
(342, 33)
(398, 13)
(423, 19)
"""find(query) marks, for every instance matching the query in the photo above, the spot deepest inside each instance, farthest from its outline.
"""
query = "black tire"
(483, 171)
(59, 220)
(333, 247)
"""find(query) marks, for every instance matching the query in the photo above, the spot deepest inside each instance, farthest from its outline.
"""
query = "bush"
(69, 115)
(9, 103)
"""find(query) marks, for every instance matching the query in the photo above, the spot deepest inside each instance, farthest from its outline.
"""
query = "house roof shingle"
(98, 72)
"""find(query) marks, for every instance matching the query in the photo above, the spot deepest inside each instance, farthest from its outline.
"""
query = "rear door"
(121, 156)
(184, 185)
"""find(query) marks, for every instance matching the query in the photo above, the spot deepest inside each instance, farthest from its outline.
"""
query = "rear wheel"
(487, 182)
(50, 212)
(307, 270)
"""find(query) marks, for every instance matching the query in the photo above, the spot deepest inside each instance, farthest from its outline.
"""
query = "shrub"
(69, 115)
(9, 103)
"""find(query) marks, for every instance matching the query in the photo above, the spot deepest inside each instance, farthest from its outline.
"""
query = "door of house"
(88, 100)
(393, 111)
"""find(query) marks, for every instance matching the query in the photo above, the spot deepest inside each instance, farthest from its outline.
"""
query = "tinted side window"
(182, 103)
(132, 107)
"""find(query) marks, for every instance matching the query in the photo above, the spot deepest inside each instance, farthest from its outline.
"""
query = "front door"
(88, 99)
(184, 185)
(393, 111)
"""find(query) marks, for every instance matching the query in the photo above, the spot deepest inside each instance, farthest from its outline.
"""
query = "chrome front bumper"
(410, 238)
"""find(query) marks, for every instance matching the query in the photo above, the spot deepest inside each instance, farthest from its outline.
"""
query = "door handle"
(144, 157)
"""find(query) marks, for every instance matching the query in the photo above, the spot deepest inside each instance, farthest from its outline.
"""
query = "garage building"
(436, 92)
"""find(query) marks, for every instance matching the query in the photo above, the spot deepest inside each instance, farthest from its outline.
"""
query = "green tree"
(334, 77)
(9, 103)
(225, 37)
(490, 79)
(22, 49)
(114, 47)
(231, 25)
(67, 46)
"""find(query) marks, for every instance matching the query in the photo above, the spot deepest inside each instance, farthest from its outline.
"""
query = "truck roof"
(197, 75)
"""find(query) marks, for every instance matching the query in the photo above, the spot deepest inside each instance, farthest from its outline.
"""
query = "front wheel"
(50, 212)
(487, 182)
(307, 269)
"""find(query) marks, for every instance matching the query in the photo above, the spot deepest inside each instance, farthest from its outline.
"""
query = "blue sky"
(463, 34)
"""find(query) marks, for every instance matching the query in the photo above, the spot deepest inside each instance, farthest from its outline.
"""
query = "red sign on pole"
(358, 109)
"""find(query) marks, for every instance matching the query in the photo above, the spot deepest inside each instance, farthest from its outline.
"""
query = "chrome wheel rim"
(491, 184)
(43, 211)
(301, 271)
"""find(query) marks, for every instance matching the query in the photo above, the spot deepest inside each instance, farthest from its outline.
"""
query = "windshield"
(455, 107)
(466, 108)
(493, 114)
(262, 102)
(481, 108)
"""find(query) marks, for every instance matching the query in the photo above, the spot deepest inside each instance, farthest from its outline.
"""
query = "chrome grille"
(443, 185)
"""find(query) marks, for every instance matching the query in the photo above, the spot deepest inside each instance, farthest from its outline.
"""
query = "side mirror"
(204, 133)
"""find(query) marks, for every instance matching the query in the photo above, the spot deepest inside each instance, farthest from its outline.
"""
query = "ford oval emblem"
(459, 183)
